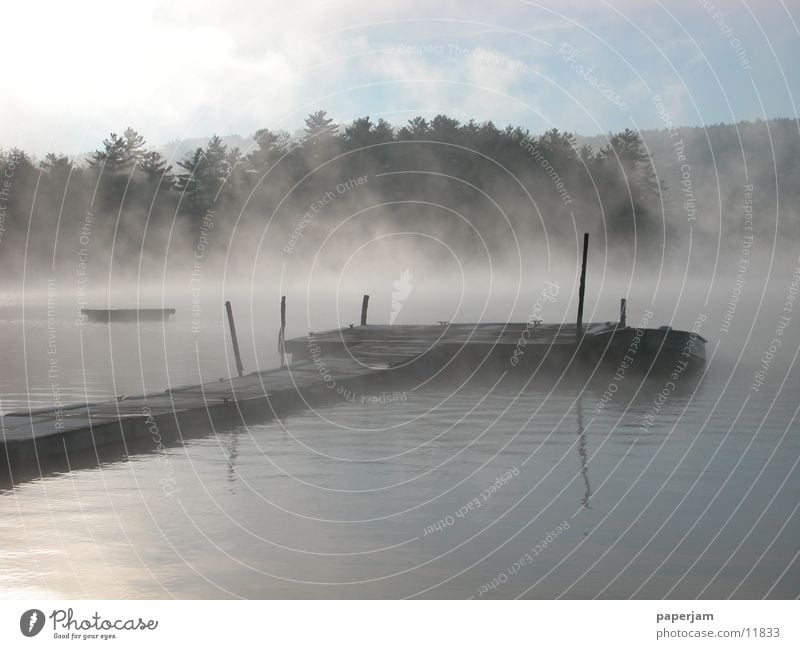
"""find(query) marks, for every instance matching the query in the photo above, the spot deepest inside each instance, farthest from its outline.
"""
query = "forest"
(475, 185)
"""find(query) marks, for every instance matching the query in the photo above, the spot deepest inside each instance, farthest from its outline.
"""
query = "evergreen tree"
(382, 132)
(444, 128)
(268, 151)
(56, 165)
(320, 127)
(133, 149)
(189, 184)
(321, 140)
(155, 168)
(629, 187)
(111, 158)
(417, 129)
(359, 133)
(205, 173)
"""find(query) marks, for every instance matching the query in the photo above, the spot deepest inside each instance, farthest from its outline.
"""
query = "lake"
(484, 489)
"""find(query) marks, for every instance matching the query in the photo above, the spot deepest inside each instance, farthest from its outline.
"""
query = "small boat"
(127, 315)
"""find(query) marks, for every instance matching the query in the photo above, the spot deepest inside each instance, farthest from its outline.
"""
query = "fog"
(480, 219)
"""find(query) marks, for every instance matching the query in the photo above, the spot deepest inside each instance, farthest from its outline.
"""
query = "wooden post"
(582, 288)
(234, 340)
(622, 308)
(364, 305)
(282, 334)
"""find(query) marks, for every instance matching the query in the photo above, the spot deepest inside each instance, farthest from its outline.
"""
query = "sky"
(73, 72)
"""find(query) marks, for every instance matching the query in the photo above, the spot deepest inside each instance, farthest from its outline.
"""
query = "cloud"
(190, 68)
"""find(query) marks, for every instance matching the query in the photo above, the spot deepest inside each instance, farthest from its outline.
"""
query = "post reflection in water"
(587, 493)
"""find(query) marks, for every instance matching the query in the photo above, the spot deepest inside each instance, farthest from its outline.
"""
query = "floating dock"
(327, 365)
(530, 346)
(127, 315)
(30, 438)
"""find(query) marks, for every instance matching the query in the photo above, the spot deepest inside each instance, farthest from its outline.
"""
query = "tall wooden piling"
(282, 333)
(582, 288)
(234, 339)
(364, 306)
(623, 305)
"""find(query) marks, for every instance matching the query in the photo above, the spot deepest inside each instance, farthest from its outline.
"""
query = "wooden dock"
(31, 438)
(387, 346)
(324, 366)
(127, 315)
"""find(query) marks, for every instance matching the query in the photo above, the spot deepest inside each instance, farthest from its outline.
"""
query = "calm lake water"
(455, 491)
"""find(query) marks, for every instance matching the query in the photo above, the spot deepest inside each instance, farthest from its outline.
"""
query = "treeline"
(473, 184)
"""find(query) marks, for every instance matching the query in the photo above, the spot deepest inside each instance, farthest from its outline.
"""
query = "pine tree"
(54, 163)
(383, 132)
(269, 148)
(155, 168)
(417, 129)
(444, 128)
(321, 141)
(111, 158)
(320, 127)
(133, 148)
(206, 171)
(359, 133)
(629, 185)
(629, 149)
(188, 183)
